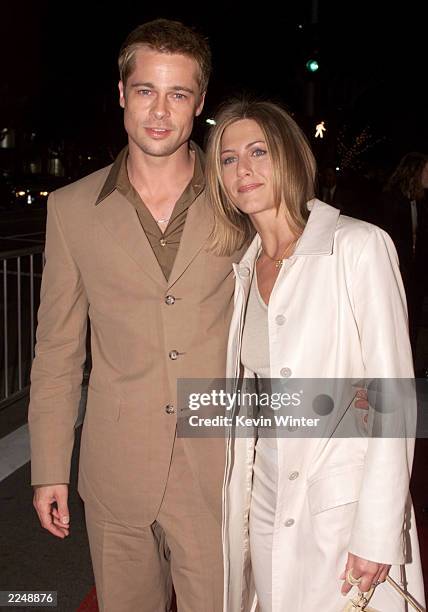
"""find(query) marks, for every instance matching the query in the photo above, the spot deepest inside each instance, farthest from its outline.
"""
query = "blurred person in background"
(405, 218)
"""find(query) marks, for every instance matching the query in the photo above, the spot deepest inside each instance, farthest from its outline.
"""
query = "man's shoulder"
(85, 190)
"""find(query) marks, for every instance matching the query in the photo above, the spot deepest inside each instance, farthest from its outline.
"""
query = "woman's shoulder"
(355, 234)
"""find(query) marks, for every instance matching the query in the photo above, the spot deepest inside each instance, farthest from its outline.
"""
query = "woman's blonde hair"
(293, 168)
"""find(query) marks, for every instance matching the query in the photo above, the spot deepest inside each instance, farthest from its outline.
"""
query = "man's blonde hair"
(166, 36)
(293, 167)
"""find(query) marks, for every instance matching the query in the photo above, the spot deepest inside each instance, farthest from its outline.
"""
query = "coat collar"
(318, 235)
(317, 238)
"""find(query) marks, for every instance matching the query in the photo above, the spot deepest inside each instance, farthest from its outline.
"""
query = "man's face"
(160, 101)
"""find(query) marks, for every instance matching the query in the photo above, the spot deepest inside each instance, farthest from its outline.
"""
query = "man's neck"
(148, 172)
(160, 181)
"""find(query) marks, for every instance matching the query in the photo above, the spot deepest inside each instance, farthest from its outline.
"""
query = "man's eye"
(144, 92)
(179, 96)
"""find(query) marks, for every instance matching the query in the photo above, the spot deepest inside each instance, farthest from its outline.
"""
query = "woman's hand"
(369, 572)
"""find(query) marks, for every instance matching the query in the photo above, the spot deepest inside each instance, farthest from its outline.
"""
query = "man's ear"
(200, 105)
(121, 94)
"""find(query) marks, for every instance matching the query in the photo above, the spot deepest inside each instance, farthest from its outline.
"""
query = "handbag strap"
(406, 596)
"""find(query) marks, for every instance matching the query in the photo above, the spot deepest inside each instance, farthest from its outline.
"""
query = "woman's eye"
(259, 152)
(227, 160)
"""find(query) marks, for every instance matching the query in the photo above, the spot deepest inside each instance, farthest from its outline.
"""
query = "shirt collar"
(118, 175)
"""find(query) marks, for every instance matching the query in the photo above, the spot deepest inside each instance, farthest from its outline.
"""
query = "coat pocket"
(102, 405)
(335, 489)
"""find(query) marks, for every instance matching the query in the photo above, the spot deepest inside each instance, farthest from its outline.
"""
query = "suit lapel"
(120, 219)
(197, 229)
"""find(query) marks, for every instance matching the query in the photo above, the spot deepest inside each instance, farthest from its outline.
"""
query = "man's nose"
(160, 107)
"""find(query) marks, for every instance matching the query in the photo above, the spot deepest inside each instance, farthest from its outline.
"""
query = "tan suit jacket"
(99, 262)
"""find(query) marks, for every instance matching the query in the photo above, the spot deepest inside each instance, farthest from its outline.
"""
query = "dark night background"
(59, 70)
(60, 119)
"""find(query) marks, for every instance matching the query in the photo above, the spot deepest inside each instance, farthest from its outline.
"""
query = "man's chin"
(159, 149)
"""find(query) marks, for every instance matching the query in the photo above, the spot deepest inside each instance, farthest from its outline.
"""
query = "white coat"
(337, 310)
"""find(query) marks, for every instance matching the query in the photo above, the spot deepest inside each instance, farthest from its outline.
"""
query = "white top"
(255, 338)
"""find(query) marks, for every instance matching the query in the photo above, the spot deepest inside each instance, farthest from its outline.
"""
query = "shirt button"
(293, 476)
(162, 242)
(173, 355)
(289, 522)
(169, 409)
(244, 272)
(280, 319)
(285, 372)
(170, 300)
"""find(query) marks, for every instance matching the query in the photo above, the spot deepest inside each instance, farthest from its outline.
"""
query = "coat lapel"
(120, 219)
(197, 230)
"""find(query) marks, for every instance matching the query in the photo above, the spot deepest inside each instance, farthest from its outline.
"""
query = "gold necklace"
(280, 261)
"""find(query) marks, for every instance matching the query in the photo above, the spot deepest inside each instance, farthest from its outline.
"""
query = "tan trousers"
(133, 566)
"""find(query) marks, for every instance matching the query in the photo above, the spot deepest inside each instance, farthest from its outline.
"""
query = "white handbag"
(360, 602)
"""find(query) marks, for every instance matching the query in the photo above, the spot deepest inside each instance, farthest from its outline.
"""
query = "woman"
(405, 218)
(318, 295)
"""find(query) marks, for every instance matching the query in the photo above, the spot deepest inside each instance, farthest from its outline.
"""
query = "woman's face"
(247, 167)
(424, 176)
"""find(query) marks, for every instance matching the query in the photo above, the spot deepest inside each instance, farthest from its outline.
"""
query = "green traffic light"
(312, 65)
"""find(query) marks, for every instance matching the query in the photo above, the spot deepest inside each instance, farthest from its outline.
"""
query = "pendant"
(278, 264)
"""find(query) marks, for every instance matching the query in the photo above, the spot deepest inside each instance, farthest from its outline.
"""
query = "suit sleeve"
(60, 353)
(381, 316)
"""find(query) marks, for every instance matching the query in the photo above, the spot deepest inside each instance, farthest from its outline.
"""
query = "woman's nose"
(243, 167)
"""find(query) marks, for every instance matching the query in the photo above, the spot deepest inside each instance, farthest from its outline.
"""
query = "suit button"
(162, 242)
(173, 355)
(293, 476)
(280, 319)
(285, 372)
(170, 300)
(244, 272)
(289, 522)
(169, 409)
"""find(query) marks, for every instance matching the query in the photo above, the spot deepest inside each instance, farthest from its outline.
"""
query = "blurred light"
(89, 157)
(337, 168)
(20, 193)
(211, 121)
(44, 193)
(29, 199)
(300, 26)
(312, 65)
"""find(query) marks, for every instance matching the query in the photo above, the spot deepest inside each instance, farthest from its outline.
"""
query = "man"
(129, 245)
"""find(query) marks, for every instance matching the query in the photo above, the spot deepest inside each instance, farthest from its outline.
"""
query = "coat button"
(244, 272)
(280, 319)
(173, 355)
(289, 522)
(169, 409)
(293, 476)
(170, 300)
(285, 372)
(162, 242)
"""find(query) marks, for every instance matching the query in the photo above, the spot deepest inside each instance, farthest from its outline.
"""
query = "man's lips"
(249, 187)
(158, 132)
